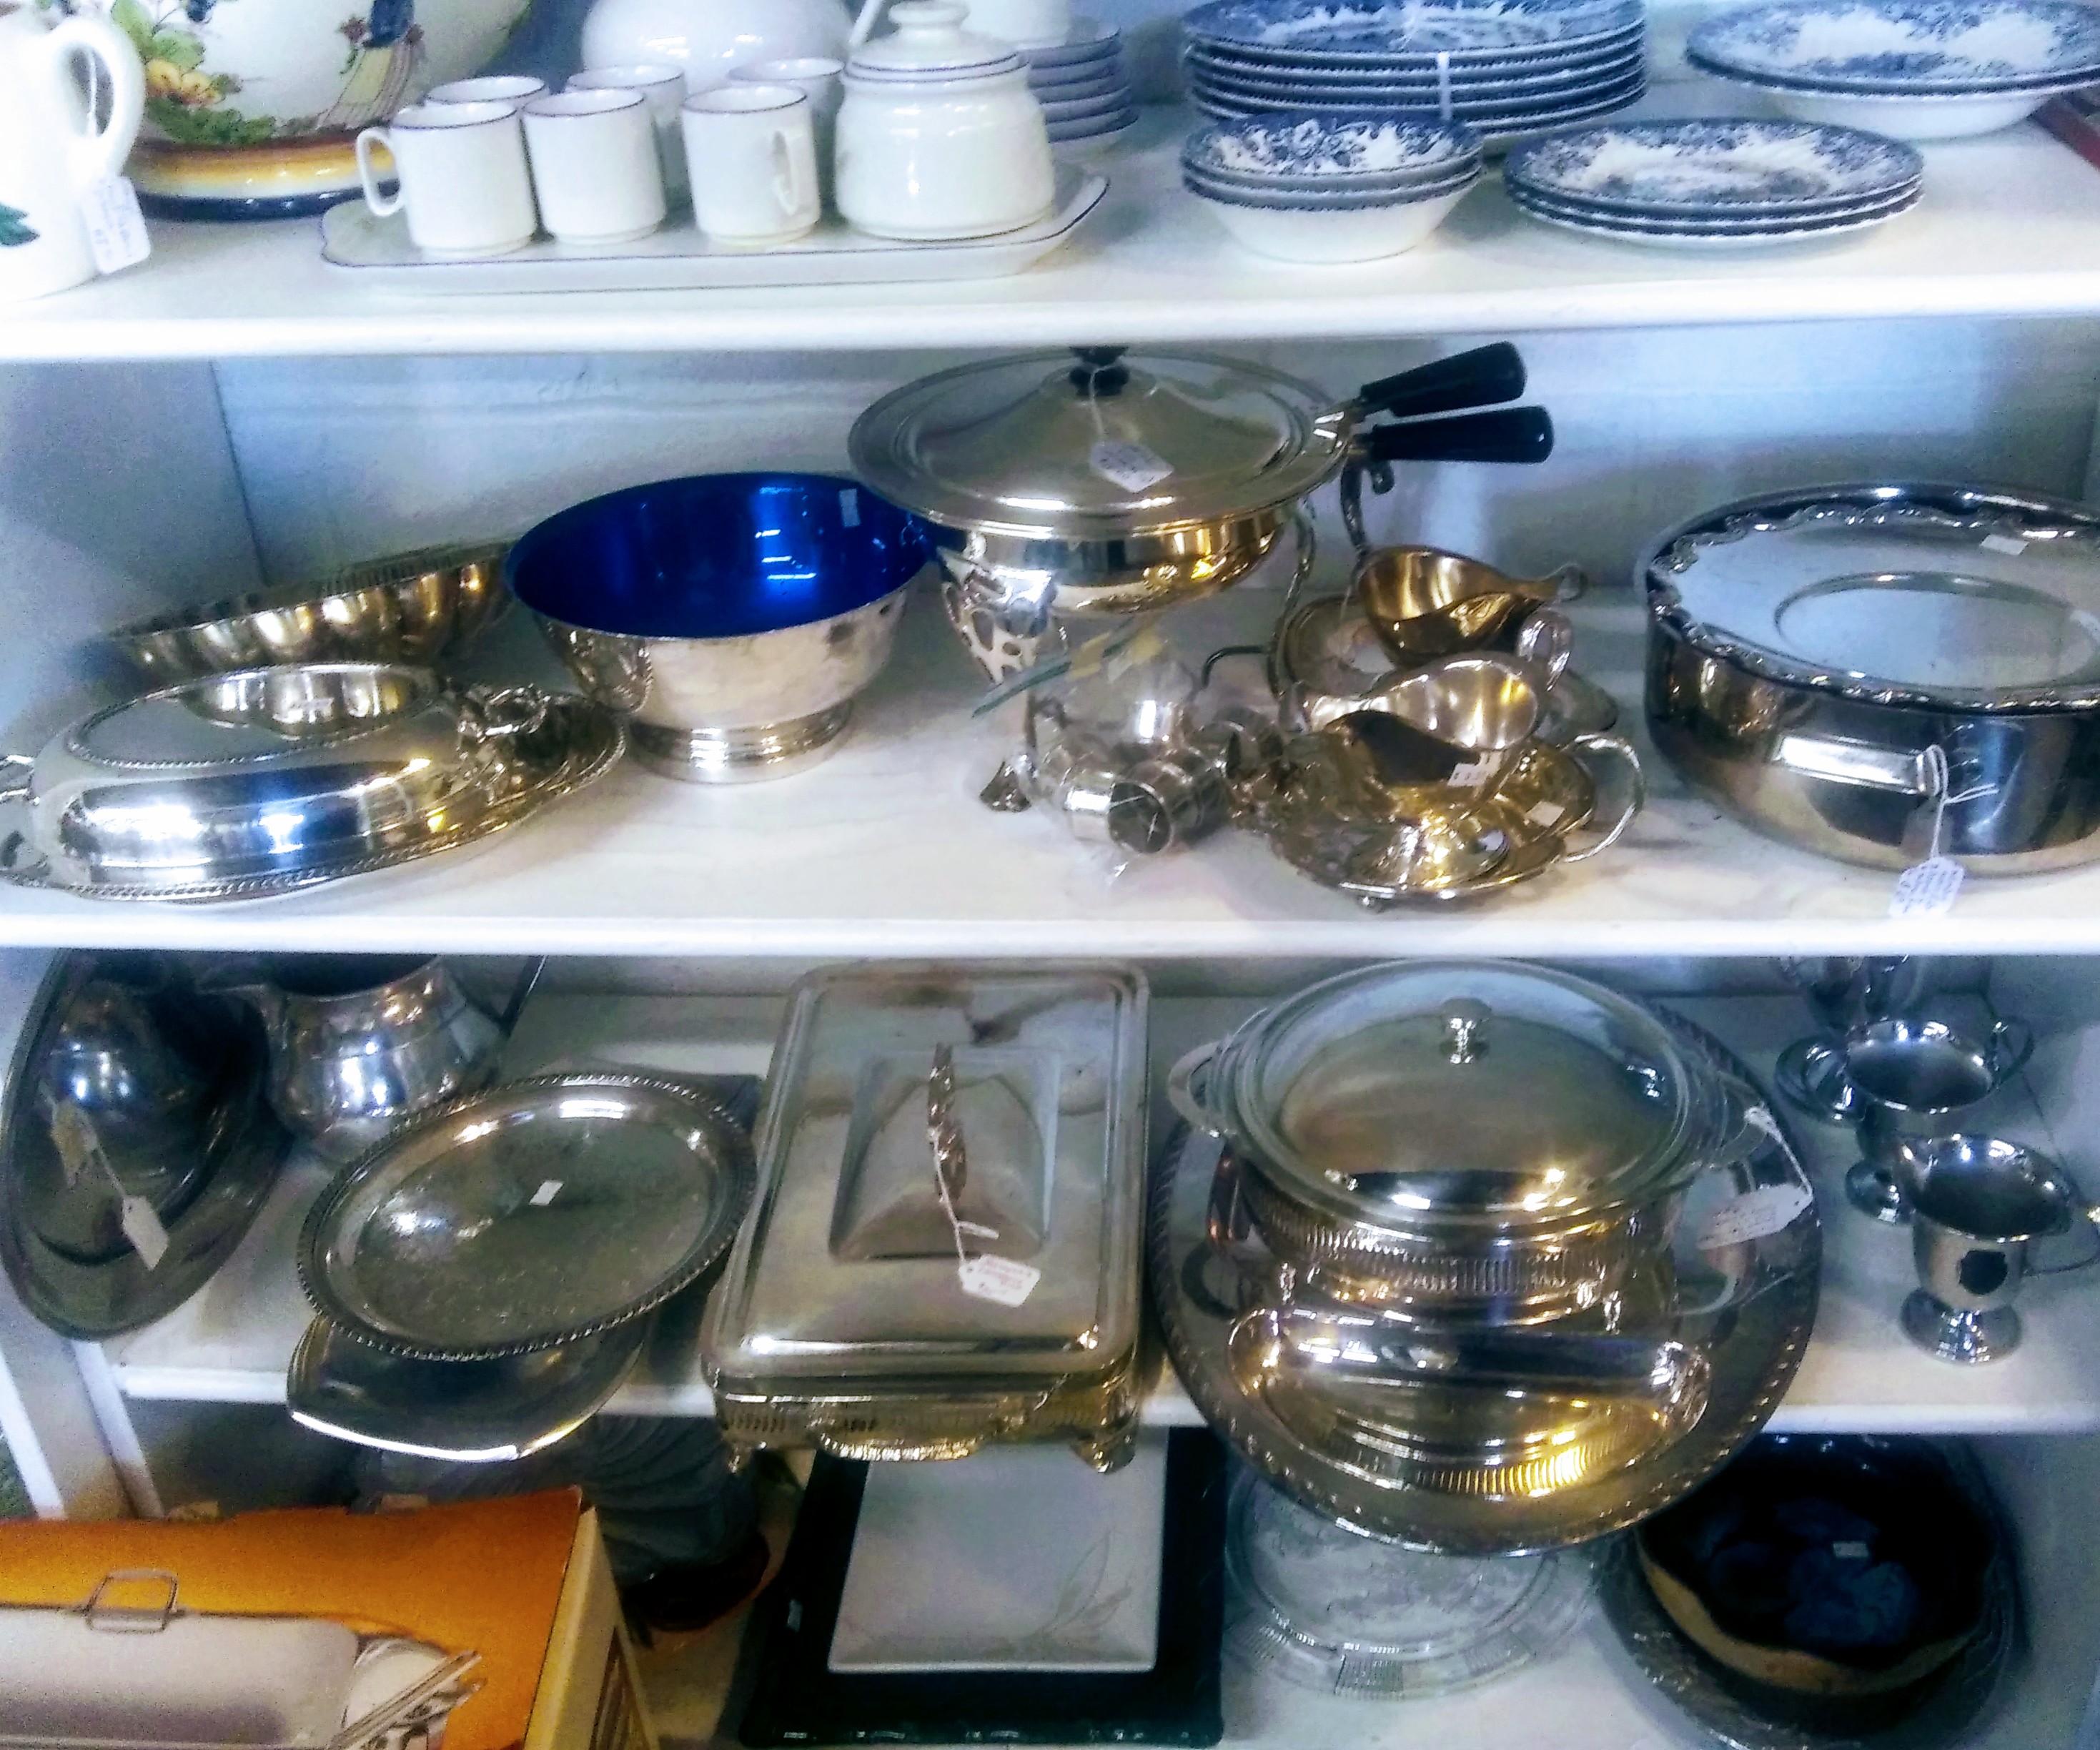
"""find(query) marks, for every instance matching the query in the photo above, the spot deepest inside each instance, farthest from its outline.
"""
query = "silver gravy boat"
(357, 1045)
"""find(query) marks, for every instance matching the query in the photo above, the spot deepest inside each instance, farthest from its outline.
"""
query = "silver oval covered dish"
(241, 785)
(536, 1214)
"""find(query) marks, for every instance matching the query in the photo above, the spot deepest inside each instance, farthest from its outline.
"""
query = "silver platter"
(1947, 1710)
(1753, 1346)
(242, 1145)
(467, 1411)
(532, 1216)
(569, 745)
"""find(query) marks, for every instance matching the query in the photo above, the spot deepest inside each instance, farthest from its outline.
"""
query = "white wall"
(342, 459)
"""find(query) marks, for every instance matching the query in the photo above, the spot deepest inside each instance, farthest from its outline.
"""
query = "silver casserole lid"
(1467, 1094)
(848, 1267)
(1098, 445)
(267, 778)
(1938, 597)
(536, 1214)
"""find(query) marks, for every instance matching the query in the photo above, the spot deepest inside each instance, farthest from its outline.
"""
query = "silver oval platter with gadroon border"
(533, 1215)
(1584, 1464)
(264, 781)
(1849, 667)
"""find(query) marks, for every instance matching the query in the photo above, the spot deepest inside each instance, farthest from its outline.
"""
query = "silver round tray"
(1945, 1715)
(572, 746)
(1753, 1346)
(468, 1411)
(529, 1217)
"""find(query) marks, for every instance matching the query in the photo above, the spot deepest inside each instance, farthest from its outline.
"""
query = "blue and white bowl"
(1906, 48)
(1316, 153)
(1715, 171)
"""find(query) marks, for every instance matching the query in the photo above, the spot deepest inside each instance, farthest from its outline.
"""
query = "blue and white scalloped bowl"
(1906, 48)
(1322, 153)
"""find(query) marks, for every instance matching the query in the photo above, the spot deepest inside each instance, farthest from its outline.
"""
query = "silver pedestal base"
(739, 756)
(1874, 1190)
(1968, 1337)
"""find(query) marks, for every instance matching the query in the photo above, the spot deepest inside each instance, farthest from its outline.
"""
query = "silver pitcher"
(357, 1045)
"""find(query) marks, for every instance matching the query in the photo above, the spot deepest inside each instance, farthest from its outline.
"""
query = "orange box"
(486, 1625)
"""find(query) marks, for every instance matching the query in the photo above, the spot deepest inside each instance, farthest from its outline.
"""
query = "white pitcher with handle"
(52, 152)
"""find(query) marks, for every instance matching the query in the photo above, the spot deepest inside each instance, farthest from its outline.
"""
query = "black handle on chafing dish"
(1478, 378)
(1508, 434)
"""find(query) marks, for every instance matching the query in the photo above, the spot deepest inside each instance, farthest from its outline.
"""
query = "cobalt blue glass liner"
(717, 555)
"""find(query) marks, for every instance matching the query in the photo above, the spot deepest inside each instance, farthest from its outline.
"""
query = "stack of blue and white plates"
(1082, 85)
(1715, 184)
(1502, 67)
(1919, 69)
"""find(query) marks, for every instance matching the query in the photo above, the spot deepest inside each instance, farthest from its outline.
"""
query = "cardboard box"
(487, 1625)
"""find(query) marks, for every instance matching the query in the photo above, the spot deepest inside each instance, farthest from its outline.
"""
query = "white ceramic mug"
(463, 179)
(490, 88)
(816, 77)
(51, 151)
(752, 154)
(594, 166)
(662, 88)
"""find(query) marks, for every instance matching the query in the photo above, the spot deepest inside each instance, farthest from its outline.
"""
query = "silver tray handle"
(497, 713)
(1189, 1087)
(1618, 750)
(1857, 762)
(15, 788)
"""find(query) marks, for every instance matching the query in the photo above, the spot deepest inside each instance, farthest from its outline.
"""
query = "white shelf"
(2007, 228)
(230, 1342)
(883, 851)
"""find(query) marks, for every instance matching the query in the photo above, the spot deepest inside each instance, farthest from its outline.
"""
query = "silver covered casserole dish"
(241, 785)
(1463, 1141)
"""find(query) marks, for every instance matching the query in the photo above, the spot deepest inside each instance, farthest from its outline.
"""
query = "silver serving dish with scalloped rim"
(533, 1215)
(1875, 671)
(242, 785)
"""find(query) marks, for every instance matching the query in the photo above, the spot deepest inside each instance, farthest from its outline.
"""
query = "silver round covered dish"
(240, 785)
(536, 1214)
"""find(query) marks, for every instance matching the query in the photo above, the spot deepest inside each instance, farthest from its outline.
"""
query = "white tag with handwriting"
(1132, 466)
(1767, 1210)
(549, 1190)
(116, 231)
(2002, 544)
(998, 1278)
(141, 1223)
(1927, 889)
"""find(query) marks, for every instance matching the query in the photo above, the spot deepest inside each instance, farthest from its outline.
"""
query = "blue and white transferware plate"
(1704, 169)
(1737, 226)
(1585, 103)
(1902, 47)
(1345, 31)
(1312, 93)
(1236, 58)
(1660, 237)
(1319, 151)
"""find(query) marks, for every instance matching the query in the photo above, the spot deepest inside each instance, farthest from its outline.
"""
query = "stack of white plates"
(1920, 70)
(1503, 66)
(1082, 85)
(1733, 184)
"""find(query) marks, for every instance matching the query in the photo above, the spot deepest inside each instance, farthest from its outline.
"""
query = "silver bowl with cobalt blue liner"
(1724, 183)
(731, 618)
(1917, 70)
(1318, 187)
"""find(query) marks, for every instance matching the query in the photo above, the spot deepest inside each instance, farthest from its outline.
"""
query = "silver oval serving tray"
(464, 1412)
(533, 1215)
(1753, 1348)
(240, 786)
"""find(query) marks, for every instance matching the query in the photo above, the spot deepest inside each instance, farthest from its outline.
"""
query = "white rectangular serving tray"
(377, 252)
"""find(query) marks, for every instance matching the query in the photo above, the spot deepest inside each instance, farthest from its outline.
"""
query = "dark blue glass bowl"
(717, 555)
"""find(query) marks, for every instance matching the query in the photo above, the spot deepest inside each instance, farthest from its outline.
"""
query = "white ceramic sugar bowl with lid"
(939, 135)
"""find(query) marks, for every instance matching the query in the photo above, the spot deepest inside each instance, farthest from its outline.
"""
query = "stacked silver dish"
(1504, 69)
(1725, 184)
(485, 1276)
(1447, 1279)
(1917, 70)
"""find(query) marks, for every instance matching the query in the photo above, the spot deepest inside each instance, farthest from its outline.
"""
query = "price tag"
(116, 231)
(998, 1278)
(549, 1190)
(1766, 1210)
(1132, 466)
(73, 1137)
(1850, 1550)
(2002, 544)
(1469, 776)
(1544, 814)
(1927, 889)
(142, 1226)
(849, 506)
